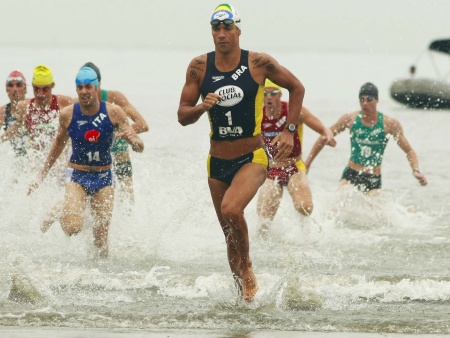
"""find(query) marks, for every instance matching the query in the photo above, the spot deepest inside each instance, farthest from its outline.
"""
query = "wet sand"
(40, 332)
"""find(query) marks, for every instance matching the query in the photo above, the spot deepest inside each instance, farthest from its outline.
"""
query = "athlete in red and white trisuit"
(291, 171)
(40, 115)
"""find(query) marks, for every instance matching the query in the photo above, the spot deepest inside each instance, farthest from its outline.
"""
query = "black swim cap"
(94, 68)
(369, 89)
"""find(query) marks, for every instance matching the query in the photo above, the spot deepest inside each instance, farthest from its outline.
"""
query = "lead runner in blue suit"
(90, 124)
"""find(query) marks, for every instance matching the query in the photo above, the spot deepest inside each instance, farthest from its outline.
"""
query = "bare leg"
(269, 199)
(125, 186)
(74, 206)
(122, 165)
(301, 193)
(230, 206)
(54, 213)
(102, 205)
(218, 190)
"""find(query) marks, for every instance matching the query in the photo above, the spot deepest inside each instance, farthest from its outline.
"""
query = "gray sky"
(376, 26)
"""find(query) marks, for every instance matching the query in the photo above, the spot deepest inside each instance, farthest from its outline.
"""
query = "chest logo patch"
(92, 136)
(230, 96)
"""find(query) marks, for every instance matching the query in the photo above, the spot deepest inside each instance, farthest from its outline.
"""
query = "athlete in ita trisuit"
(90, 125)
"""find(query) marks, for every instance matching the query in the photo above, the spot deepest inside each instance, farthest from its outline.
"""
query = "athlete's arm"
(60, 141)
(116, 97)
(119, 119)
(395, 129)
(64, 101)
(315, 124)
(189, 111)
(2, 115)
(264, 66)
(343, 123)
(16, 128)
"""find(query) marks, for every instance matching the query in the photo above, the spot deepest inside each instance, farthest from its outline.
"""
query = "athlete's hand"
(210, 100)
(284, 144)
(328, 138)
(420, 177)
(126, 135)
(33, 186)
(132, 139)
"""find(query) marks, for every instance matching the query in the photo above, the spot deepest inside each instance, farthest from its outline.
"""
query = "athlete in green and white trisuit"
(369, 130)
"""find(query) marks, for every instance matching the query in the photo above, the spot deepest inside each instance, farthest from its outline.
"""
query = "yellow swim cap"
(42, 76)
(271, 85)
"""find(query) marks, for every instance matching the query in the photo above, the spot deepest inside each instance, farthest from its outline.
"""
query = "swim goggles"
(86, 81)
(272, 93)
(226, 22)
(367, 99)
(15, 78)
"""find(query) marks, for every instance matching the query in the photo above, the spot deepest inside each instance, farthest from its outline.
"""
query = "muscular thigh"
(270, 191)
(75, 200)
(298, 185)
(245, 184)
(102, 201)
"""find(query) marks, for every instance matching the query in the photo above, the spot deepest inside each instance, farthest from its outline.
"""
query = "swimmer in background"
(369, 129)
(16, 88)
(289, 172)
(40, 114)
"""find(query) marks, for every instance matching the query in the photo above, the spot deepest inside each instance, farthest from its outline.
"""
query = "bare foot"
(263, 232)
(249, 284)
(46, 224)
(101, 251)
(238, 283)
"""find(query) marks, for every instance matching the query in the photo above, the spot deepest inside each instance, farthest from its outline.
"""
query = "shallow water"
(357, 265)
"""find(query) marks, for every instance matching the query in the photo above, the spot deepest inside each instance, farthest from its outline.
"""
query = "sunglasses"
(272, 93)
(45, 89)
(226, 22)
(367, 99)
(18, 84)
(85, 81)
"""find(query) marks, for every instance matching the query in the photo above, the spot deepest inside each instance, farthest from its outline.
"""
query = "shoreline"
(57, 332)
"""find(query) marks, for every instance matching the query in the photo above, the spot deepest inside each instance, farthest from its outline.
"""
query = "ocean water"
(357, 267)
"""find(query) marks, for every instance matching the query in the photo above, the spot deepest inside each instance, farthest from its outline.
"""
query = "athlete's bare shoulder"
(258, 60)
(65, 115)
(391, 125)
(197, 68)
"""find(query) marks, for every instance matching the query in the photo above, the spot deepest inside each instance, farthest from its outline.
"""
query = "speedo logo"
(230, 96)
(218, 78)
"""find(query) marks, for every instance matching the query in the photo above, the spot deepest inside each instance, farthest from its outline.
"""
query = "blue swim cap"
(87, 75)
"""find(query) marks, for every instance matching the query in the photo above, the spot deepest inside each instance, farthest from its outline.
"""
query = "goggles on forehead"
(87, 81)
(226, 22)
(15, 78)
(367, 99)
(272, 93)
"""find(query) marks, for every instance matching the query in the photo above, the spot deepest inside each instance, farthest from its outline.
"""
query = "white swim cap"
(227, 11)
